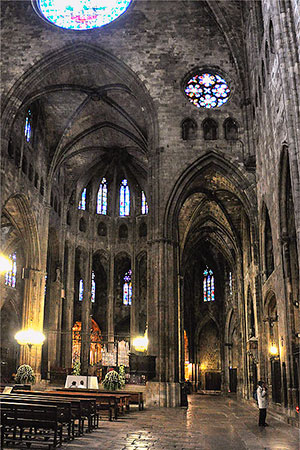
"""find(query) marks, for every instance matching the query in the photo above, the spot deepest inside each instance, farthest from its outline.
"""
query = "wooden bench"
(30, 423)
(64, 408)
(84, 408)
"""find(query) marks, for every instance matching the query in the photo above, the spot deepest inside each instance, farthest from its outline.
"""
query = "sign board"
(81, 381)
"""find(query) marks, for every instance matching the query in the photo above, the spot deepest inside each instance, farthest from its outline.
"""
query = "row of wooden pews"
(51, 417)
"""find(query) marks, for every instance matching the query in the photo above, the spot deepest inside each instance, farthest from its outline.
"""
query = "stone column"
(110, 306)
(86, 315)
(33, 316)
(68, 309)
(133, 309)
(54, 319)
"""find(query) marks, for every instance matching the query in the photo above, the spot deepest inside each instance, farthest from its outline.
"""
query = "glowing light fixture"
(5, 264)
(140, 343)
(30, 337)
(273, 350)
(80, 14)
(203, 366)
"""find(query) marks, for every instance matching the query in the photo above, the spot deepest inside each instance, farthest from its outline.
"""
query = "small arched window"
(143, 230)
(81, 289)
(210, 129)
(102, 229)
(82, 202)
(28, 126)
(102, 198)
(24, 164)
(36, 179)
(124, 199)
(68, 218)
(82, 224)
(208, 285)
(271, 37)
(93, 288)
(123, 232)
(188, 129)
(30, 172)
(144, 205)
(11, 275)
(127, 289)
(230, 129)
(42, 187)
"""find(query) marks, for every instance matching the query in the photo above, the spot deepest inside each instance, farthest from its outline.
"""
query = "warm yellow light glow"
(273, 350)
(203, 366)
(30, 337)
(140, 343)
(5, 264)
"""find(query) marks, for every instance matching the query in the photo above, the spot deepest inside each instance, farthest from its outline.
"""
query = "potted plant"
(112, 381)
(25, 375)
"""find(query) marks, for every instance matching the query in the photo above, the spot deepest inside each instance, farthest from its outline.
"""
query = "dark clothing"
(262, 417)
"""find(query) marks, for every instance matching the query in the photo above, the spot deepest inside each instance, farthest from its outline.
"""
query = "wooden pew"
(64, 408)
(30, 423)
(80, 409)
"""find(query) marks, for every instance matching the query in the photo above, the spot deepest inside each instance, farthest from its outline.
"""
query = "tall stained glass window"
(230, 283)
(102, 198)
(93, 288)
(80, 296)
(127, 288)
(124, 199)
(207, 90)
(11, 275)
(28, 125)
(82, 14)
(208, 286)
(82, 202)
(144, 204)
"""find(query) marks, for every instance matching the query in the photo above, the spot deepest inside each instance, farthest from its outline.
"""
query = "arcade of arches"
(130, 209)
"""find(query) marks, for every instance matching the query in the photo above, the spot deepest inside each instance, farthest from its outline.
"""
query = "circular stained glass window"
(82, 14)
(207, 90)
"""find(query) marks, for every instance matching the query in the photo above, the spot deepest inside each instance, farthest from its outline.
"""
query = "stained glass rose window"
(81, 14)
(207, 90)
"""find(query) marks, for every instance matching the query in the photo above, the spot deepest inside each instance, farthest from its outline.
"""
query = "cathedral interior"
(150, 187)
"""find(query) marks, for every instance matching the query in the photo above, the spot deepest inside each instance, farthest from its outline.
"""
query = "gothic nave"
(150, 188)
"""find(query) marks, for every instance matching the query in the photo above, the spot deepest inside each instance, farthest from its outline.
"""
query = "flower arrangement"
(112, 381)
(122, 376)
(25, 375)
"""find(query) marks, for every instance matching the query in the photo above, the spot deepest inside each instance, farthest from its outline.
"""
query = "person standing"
(262, 400)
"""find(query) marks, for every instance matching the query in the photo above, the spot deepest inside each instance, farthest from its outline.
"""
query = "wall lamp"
(5, 264)
(271, 320)
(30, 337)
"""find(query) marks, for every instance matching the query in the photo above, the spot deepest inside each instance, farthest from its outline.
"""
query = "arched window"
(144, 204)
(82, 203)
(28, 126)
(82, 224)
(124, 199)
(127, 289)
(11, 275)
(93, 288)
(230, 129)
(210, 129)
(102, 198)
(102, 229)
(80, 296)
(208, 286)
(230, 283)
(123, 232)
(188, 129)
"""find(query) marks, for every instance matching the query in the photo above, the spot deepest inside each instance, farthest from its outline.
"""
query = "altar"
(81, 381)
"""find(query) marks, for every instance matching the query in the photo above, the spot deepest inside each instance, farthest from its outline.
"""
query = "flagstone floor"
(209, 423)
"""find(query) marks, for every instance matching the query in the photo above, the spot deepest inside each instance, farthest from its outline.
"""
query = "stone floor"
(209, 423)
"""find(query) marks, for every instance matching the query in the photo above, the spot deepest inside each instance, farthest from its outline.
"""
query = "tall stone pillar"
(68, 309)
(33, 316)
(54, 320)
(133, 308)
(110, 307)
(86, 316)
